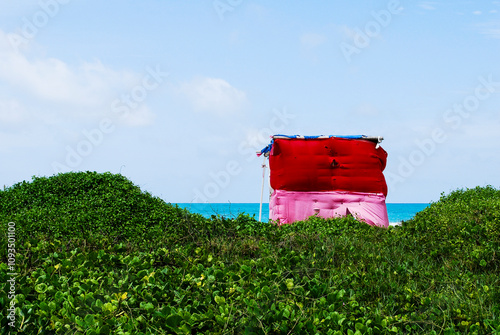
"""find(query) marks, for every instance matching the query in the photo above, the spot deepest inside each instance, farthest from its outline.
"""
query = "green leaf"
(44, 306)
(246, 268)
(79, 321)
(109, 307)
(89, 320)
(104, 330)
(52, 306)
(220, 300)
(173, 321)
(185, 329)
(98, 303)
(360, 326)
(59, 297)
(41, 288)
(149, 307)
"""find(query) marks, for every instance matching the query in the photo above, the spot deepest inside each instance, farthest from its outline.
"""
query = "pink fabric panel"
(291, 206)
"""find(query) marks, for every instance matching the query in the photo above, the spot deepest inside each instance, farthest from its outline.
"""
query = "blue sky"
(178, 96)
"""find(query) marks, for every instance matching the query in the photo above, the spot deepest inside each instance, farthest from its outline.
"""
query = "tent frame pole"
(262, 189)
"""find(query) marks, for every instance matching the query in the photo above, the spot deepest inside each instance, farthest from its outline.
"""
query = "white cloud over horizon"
(51, 79)
(47, 90)
(214, 96)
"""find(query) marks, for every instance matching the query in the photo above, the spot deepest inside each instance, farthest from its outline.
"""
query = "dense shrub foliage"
(86, 205)
(96, 255)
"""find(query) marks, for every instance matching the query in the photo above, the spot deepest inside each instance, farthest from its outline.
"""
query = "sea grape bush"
(75, 204)
(96, 255)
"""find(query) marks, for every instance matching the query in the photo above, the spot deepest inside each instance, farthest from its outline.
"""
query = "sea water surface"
(397, 212)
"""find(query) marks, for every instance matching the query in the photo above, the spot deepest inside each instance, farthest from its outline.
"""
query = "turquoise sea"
(397, 211)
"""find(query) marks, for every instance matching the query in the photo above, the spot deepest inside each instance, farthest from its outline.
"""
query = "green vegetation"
(96, 255)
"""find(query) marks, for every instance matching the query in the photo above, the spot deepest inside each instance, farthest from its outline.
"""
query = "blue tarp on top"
(352, 137)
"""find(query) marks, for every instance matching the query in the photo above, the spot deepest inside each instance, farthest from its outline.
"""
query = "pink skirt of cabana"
(291, 206)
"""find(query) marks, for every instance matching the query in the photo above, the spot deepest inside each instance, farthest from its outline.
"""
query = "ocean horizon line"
(397, 212)
(266, 203)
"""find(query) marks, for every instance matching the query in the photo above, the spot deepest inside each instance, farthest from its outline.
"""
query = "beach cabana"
(328, 176)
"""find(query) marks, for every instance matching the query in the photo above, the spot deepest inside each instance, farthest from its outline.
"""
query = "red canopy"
(327, 164)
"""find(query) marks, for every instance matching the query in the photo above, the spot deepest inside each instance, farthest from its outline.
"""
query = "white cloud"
(214, 95)
(355, 34)
(11, 113)
(63, 91)
(348, 32)
(311, 40)
(427, 5)
(257, 11)
(47, 101)
(477, 12)
(256, 138)
(51, 79)
(140, 116)
(18, 141)
(489, 29)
